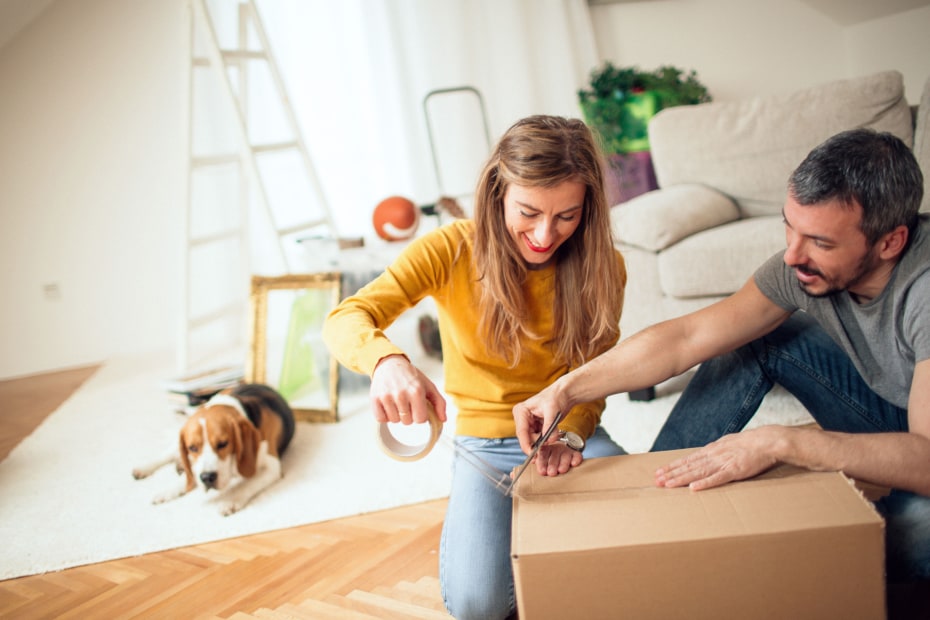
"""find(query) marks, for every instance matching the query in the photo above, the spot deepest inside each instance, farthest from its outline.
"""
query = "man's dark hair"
(876, 170)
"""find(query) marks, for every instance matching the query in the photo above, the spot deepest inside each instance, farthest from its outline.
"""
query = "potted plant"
(620, 101)
(618, 104)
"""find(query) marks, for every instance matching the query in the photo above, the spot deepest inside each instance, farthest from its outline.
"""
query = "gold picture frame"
(287, 349)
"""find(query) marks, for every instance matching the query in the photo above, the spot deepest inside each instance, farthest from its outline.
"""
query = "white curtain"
(358, 71)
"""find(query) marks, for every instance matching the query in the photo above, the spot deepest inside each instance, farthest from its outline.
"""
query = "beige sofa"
(722, 170)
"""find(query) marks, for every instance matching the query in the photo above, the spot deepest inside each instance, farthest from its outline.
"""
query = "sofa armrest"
(660, 218)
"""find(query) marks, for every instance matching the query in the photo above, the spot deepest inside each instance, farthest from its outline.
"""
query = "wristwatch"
(572, 440)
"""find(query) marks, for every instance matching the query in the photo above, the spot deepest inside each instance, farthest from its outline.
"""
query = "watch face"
(573, 441)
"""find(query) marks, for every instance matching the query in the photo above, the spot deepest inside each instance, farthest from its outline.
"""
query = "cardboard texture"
(604, 542)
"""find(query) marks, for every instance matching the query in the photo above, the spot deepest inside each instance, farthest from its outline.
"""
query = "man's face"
(826, 248)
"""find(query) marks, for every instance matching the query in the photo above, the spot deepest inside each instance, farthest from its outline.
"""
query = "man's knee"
(907, 535)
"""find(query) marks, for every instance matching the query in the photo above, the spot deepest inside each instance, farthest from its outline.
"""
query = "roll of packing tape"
(404, 452)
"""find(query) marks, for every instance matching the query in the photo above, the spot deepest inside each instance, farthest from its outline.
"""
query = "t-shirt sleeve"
(916, 323)
(775, 280)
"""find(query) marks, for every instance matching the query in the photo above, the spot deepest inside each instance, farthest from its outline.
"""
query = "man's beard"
(834, 285)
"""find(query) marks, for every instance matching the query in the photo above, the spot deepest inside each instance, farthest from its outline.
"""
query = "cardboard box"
(604, 542)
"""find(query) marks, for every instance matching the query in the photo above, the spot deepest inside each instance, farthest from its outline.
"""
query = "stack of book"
(197, 387)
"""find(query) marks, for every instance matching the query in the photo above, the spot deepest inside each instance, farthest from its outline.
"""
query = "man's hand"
(534, 415)
(732, 457)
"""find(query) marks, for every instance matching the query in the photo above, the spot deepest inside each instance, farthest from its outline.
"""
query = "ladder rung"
(290, 230)
(274, 146)
(243, 54)
(220, 236)
(204, 319)
(214, 160)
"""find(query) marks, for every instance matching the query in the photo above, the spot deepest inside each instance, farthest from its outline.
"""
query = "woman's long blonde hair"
(544, 151)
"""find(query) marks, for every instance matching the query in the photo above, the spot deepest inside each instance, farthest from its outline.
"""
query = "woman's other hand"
(401, 392)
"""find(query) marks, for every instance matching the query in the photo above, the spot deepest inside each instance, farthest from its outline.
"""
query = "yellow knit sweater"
(484, 389)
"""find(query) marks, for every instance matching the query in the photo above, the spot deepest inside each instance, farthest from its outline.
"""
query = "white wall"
(91, 183)
(92, 157)
(746, 48)
(899, 42)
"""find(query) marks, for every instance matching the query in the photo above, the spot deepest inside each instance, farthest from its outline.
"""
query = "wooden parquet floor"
(380, 565)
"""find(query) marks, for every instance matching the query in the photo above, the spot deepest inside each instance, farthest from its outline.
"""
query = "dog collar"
(227, 401)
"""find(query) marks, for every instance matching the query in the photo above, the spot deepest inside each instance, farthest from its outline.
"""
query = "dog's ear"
(185, 461)
(248, 438)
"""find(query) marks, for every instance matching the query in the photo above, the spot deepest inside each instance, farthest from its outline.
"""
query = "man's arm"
(897, 460)
(652, 356)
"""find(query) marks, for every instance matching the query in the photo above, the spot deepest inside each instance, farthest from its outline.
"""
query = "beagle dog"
(239, 436)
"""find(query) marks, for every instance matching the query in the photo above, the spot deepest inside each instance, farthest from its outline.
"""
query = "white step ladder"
(231, 67)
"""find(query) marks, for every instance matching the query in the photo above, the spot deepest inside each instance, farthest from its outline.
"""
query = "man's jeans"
(799, 355)
(474, 550)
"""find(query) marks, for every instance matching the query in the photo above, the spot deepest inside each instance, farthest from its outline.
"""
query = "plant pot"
(628, 175)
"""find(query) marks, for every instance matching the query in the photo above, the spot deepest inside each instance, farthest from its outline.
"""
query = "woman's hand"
(400, 392)
(556, 458)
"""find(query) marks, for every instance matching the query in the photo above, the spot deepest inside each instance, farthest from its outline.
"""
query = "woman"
(529, 289)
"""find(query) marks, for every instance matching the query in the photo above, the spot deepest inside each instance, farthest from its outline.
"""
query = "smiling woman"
(515, 313)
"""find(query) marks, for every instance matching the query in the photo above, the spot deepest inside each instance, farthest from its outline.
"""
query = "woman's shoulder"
(462, 228)
(455, 234)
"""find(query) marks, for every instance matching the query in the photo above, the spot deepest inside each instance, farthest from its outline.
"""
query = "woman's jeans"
(474, 553)
(800, 356)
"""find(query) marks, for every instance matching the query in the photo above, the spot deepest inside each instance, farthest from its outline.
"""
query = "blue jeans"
(474, 551)
(727, 390)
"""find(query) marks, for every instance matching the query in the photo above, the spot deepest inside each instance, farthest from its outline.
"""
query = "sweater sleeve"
(354, 330)
(584, 418)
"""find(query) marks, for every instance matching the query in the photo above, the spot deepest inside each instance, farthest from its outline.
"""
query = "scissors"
(539, 442)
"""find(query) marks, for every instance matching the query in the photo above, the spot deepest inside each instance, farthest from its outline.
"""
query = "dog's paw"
(166, 496)
(138, 473)
(230, 507)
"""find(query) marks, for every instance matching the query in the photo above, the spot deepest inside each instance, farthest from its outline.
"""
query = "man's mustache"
(807, 270)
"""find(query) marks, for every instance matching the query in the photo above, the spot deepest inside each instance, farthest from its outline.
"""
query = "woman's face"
(540, 219)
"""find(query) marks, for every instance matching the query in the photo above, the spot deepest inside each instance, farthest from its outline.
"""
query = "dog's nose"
(208, 478)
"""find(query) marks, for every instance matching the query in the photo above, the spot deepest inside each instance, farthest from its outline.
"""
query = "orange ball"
(396, 218)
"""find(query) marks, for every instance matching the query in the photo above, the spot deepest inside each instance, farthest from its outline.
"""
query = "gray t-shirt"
(885, 337)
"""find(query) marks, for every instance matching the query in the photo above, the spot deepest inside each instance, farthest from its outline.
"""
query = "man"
(841, 319)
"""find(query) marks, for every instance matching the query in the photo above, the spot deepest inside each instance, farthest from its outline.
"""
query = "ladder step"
(275, 146)
(290, 230)
(244, 54)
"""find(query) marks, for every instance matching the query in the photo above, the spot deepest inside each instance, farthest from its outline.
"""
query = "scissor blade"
(529, 459)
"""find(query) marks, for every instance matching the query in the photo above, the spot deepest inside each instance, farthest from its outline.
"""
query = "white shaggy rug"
(68, 496)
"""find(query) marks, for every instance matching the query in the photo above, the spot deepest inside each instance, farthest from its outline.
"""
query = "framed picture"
(287, 348)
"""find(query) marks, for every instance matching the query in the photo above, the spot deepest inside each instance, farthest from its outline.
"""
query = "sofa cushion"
(657, 219)
(719, 261)
(747, 149)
